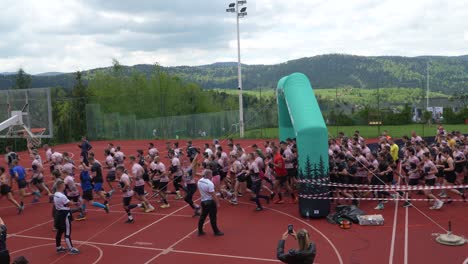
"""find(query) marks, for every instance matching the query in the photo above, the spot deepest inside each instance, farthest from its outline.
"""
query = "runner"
(125, 186)
(5, 189)
(137, 175)
(190, 186)
(110, 165)
(19, 173)
(96, 175)
(87, 187)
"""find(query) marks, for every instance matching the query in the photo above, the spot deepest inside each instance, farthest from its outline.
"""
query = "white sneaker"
(439, 204)
(443, 195)
(380, 206)
(149, 209)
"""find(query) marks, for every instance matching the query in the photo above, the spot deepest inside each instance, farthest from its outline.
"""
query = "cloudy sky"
(70, 35)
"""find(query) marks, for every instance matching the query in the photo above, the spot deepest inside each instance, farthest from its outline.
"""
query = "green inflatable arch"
(300, 117)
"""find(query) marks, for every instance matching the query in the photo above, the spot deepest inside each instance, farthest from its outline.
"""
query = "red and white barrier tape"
(390, 187)
(374, 199)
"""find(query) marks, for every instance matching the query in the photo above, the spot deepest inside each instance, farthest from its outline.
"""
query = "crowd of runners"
(263, 174)
(414, 162)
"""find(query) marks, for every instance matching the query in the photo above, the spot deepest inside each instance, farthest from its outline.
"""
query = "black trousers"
(84, 154)
(4, 256)
(191, 189)
(63, 224)
(208, 208)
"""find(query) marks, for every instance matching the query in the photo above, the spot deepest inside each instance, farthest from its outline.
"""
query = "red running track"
(169, 235)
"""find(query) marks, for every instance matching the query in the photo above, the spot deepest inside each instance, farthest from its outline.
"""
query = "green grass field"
(368, 131)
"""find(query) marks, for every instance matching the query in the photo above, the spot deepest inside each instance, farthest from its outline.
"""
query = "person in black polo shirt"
(85, 148)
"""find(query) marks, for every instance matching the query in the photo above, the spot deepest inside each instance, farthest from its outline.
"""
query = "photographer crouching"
(306, 252)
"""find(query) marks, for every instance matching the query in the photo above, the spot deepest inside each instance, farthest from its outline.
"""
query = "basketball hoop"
(33, 141)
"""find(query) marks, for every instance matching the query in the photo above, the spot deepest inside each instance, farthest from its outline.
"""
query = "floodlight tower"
(240, 13)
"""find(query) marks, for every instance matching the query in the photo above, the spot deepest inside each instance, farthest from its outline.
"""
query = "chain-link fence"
(102, 125)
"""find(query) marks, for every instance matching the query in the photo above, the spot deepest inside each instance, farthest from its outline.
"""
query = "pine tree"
(80, 99)
(23, 80)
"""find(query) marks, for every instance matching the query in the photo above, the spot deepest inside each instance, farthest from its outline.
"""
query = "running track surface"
(169, 235)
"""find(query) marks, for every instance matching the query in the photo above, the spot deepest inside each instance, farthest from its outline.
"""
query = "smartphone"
(290, 229)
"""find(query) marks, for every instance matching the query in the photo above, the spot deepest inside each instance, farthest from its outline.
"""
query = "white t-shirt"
(68, 168)
(126, 179)
(57, 157)
(119, 157)
(38, 165)
(288, 158)
(49, 155)
(153, 152)
(158, 167)
(206, 188)
(60, 201)
(137, 172)
(176, 163)
(71, 185)
(110, 162)
(209, 151)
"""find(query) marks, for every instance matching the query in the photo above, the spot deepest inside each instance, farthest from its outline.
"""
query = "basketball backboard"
(35, 107)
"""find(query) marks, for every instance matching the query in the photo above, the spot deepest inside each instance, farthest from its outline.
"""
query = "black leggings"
(176, 182)
(191, 189)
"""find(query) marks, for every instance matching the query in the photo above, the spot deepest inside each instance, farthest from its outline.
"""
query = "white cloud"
(55, 35)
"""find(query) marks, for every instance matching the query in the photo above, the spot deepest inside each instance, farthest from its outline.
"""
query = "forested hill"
(447, 74)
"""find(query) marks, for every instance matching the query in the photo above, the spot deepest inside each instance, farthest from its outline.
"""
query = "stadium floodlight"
(240, 13)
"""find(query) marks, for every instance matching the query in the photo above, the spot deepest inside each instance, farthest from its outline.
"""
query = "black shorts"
(389, 178)
(281, 180)
(146, 177)
(346, 179)
(450, 176)
(5, 189)
(378, 180)
(88, 195)
(440, 172)
(241, 177)
(22, 184)
(155, 184)
(357, 180)
(126, 201)
(459, 167)
(140, 190)
(37, 181)
(430, 182)
(110, 176)
(73, 198)
(413, 182)
(163, 186)
(292, 173)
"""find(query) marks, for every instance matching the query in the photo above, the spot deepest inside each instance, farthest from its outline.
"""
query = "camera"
(290, 229)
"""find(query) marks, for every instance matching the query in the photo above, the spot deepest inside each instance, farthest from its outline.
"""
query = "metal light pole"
(233, 8)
